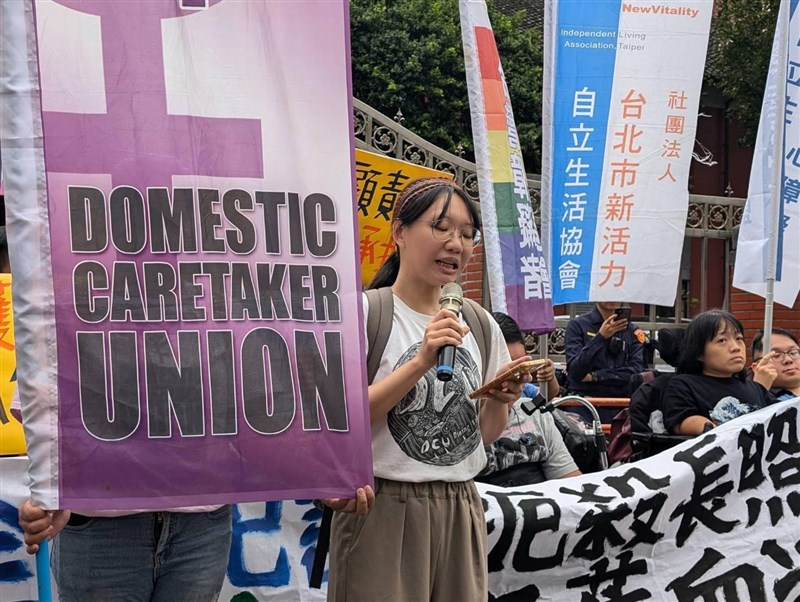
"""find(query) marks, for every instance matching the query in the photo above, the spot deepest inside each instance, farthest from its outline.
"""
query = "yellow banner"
(380, 180)
(12, 439)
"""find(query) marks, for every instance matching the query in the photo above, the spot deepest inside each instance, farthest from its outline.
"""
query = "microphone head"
(452, 297)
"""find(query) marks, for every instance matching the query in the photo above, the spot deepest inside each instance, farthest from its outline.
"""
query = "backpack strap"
(379, 327)
(321, 551)
(478, 321)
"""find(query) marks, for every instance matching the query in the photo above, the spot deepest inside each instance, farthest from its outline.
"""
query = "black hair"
(758, 340)
(415, 199)
(509, 327)
(701, 330)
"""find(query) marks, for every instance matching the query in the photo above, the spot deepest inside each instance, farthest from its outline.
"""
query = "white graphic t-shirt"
(433, 433)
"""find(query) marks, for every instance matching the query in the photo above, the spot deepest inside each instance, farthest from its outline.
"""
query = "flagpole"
(777, 179)
(43, 573)
(543, 352)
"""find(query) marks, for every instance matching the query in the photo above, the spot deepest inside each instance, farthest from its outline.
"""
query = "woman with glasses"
(711, 384)
(425, 537)
(785, 348)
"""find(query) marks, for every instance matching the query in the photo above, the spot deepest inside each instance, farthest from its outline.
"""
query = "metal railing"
(708, 216)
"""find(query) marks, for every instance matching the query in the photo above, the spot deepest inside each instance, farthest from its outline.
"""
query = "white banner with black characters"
(714, 519)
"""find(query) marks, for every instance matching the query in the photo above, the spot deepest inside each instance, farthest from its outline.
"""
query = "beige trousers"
(420, 542)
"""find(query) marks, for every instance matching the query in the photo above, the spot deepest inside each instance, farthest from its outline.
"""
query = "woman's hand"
(40, 524)
(546, 377)
(495, 403)
(765, 371)
(509, 390)
(443, 329)
(365, 498)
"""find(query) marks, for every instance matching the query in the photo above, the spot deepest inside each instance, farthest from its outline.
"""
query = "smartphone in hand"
(527, 367)
(622, 313)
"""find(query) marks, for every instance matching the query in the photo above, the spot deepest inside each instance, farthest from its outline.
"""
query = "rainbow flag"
(518, 278)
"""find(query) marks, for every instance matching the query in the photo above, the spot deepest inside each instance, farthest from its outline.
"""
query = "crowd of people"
(425, 503)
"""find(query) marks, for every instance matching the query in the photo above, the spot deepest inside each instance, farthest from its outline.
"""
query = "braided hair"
(412, 203)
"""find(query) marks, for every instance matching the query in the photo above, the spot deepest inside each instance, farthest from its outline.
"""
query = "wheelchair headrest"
(669, 344)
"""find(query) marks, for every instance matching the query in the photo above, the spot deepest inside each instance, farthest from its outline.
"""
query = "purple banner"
(203, 252)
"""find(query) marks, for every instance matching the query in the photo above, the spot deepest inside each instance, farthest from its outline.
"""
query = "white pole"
(777, 177)
(543, 349)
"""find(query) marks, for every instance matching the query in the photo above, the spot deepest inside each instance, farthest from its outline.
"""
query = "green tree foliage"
(739, 53)
(407, 55)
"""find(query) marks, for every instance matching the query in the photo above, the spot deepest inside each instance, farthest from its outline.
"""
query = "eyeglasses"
(779, 356)
(443, 231)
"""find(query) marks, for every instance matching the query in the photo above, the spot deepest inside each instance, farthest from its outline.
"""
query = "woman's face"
(724, 355)
(430, 260)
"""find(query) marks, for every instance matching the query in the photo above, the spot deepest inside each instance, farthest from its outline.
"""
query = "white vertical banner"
(622, 90)
(775, 175)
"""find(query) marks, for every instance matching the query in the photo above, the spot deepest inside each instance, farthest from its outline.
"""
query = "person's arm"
(694, 425)
(580, 356)
(634, 364)
(443, 329)
(39, 524)
(547, 374)
(495, 405)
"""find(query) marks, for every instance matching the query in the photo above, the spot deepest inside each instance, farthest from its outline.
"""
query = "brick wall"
(472, 276)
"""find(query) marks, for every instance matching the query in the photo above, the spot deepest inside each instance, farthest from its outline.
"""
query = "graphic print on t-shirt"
(436, 423)
(729, 408)
(525, 448)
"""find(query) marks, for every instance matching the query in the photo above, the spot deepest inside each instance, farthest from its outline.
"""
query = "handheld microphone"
(452, 298)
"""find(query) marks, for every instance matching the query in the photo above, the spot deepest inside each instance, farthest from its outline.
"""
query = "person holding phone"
(531, 449)
(603, 349)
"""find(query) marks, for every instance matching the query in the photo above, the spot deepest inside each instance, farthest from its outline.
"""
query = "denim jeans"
(148, 557)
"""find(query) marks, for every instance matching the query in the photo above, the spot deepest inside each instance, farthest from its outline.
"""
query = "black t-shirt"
(697, 395)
